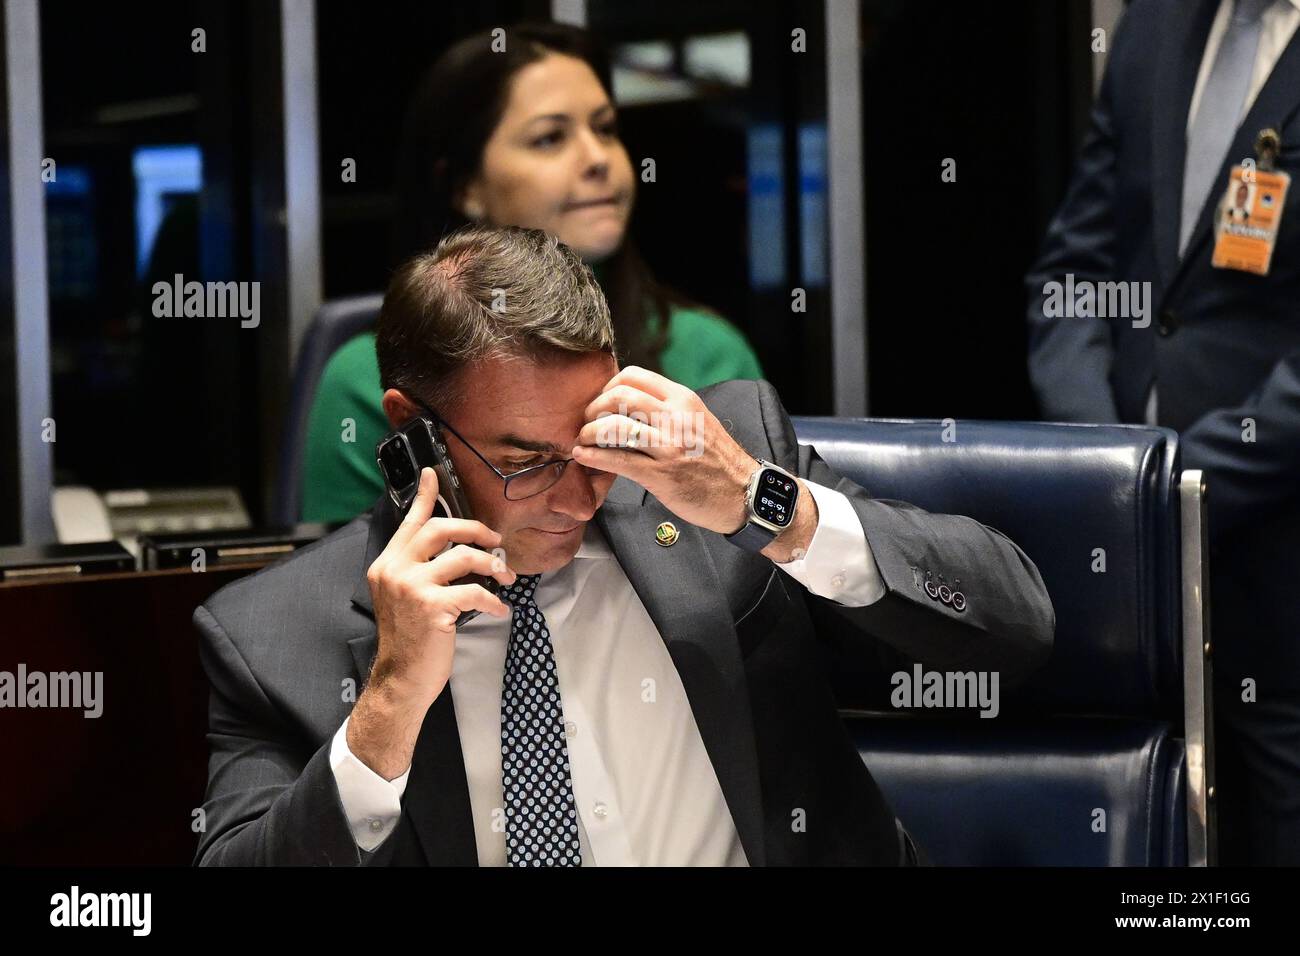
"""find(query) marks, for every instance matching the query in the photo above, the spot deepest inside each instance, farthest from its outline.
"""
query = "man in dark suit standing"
(645, 688)
(1195, 89)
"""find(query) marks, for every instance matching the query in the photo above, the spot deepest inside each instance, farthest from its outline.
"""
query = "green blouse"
(340, 477)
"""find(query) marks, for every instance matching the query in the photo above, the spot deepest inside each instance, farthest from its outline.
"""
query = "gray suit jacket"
(278, 647)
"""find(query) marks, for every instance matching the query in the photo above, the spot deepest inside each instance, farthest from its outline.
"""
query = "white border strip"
(301, 167)
(848, 246)
(1198, 686)
(30, 278)
(572, 12)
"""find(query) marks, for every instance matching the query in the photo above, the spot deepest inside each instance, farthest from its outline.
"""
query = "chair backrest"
(1090, 768)
(1094, 506)
(335, 323)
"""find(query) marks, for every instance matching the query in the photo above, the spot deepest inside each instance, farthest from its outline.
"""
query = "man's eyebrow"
(527, 444)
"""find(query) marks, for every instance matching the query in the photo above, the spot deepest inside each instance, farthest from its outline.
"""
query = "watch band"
(752, 537)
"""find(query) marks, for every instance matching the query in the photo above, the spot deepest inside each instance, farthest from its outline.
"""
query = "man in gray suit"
(646, 687)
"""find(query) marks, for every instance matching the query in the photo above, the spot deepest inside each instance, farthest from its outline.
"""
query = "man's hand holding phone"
(416, 607)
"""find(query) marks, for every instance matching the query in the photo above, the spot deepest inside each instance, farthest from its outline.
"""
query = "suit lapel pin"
(666, 534)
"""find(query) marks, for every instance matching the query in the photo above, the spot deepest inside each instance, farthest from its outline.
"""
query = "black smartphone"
(402, 454)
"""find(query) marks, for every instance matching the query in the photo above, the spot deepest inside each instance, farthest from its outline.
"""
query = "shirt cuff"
(372, 804)
(838, 563)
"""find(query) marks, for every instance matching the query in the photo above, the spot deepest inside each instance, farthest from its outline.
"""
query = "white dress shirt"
(645, 789)
(1277, 24)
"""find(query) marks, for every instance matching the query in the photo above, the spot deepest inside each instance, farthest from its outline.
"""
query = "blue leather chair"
(333, 325)
(1104, 758)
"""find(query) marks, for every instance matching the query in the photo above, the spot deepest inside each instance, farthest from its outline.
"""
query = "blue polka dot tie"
(541, 816)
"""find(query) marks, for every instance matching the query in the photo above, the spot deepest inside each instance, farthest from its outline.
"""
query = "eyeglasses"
(519, 485)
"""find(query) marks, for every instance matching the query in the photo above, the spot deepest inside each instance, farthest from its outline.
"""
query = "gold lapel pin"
(666, 534)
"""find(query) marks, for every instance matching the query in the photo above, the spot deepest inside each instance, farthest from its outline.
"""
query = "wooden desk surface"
(120, 788)
(238, 569)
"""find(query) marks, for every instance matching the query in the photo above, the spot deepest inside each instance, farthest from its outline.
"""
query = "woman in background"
(525, 137)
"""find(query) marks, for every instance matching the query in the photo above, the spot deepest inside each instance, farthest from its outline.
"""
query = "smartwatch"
(770, 502)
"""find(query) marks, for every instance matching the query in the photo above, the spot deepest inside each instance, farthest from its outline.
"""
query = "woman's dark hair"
(453, 114)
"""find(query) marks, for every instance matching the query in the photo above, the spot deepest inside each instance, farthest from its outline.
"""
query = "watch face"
(774, 497)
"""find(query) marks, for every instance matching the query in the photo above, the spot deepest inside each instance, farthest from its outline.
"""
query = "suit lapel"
(683, 595)
(1276, 102)
(681, 590)
(1177, 64)
(437, 792)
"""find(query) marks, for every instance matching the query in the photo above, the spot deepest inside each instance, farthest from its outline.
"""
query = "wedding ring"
(632, 435)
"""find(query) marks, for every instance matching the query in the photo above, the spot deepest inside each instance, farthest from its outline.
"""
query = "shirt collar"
(593, 543)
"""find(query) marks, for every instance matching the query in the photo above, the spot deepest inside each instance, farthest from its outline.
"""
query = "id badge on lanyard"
(1247, 218)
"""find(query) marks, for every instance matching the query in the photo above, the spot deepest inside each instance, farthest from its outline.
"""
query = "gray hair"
(485, 292)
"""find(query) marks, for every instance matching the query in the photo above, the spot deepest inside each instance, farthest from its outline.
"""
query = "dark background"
(142, 402)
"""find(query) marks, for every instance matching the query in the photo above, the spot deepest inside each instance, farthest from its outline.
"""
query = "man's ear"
(398, 408)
